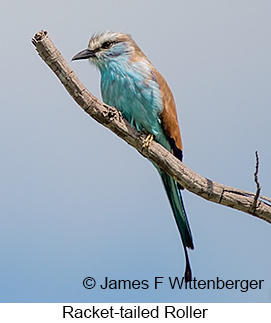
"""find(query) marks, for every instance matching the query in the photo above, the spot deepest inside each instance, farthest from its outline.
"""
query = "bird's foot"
(120, 116)
(148, 141)
(113, 113)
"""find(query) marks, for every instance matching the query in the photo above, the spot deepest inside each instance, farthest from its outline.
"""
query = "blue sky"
(76, 201)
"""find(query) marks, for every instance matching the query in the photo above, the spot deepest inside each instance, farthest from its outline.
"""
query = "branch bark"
(247, 202)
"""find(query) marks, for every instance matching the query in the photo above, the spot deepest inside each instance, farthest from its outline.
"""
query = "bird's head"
(110, 47)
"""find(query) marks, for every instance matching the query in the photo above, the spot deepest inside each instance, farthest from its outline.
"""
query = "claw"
(148, 141)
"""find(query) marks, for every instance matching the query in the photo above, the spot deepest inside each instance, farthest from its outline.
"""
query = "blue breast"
(133, 90)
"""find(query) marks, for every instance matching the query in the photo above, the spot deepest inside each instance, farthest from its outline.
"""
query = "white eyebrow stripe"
(98, 39)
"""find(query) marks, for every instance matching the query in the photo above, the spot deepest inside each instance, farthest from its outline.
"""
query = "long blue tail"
(176, 202)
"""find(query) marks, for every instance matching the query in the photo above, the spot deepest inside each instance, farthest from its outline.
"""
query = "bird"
(131, 84)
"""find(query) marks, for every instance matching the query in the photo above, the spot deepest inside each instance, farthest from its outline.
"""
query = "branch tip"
(39, 36)
(256, 180)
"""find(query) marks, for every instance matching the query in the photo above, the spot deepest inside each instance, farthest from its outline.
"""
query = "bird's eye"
(107, 44)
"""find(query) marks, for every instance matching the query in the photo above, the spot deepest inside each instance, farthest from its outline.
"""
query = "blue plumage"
(128, 87)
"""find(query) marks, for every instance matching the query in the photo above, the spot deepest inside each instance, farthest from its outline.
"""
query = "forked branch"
(250, 203)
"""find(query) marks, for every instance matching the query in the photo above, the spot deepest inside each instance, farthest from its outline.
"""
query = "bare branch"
(110, 117)
(256, 197)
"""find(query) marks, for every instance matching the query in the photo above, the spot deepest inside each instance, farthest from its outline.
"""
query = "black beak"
(84, 54)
